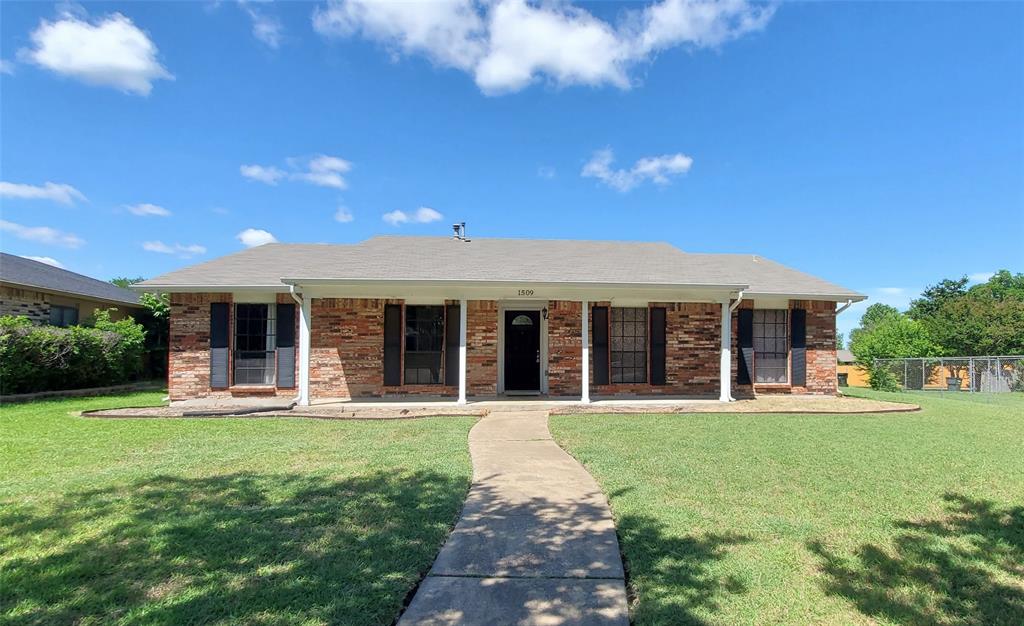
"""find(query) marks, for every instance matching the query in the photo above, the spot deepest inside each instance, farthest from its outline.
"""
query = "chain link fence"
(982, 374)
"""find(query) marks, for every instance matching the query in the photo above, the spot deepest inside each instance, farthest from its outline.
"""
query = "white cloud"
(422, 215)
(325, 171)
(146, 209)
(111, 51)
(177, 249)
(264, 174)
(49, 260)
(343, 215)
(658, 169)
(508, 44)
(6, 67)
(42, 234)
(981, 277)
(546, 171)
(450, 33)
(322, 170)
(266, 28)
(61, 193)
(251, 237)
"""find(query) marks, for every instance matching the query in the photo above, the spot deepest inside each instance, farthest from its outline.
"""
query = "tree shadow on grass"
(239, 548)
(965, 568)
(671, 577)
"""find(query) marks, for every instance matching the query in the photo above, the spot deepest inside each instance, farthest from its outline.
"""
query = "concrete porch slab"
(424, 407)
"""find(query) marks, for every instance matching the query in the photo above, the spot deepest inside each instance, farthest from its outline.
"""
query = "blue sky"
(880, 146)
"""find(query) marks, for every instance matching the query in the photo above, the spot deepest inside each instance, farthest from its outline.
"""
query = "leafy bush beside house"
(47, 358)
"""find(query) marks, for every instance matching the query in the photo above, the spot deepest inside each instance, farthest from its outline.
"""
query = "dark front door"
(522, 350)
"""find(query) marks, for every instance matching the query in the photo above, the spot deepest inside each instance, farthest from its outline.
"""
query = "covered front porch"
(539, 343)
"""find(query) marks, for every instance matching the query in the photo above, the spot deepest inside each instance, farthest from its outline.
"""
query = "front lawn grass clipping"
(265, 520)
(904, 518)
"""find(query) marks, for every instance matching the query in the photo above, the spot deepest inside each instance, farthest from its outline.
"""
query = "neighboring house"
(846, 367)
(451, 317)
(51, 295)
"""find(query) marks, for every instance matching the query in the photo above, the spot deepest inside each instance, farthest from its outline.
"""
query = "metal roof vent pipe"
(459, 231)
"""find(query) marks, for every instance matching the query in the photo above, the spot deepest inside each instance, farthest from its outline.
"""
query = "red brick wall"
(188, 370)
(346, 358)
(565, 330)
(821, 346)
(482, 348)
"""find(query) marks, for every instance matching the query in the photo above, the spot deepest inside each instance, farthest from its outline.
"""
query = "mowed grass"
(262, 520)
(905, 518)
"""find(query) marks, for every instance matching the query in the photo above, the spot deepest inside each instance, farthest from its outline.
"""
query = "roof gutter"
(739, 298)
(844, 307)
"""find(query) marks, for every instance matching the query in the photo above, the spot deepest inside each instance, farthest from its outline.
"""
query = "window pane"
(628, 345)
(424, 340)
(254, 356)
(771, 346)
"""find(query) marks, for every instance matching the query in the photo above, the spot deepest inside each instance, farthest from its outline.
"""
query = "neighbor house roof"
(484, 260)
(24, 272)
(845, 356)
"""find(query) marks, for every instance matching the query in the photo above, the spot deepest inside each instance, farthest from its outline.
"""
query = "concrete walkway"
(535, 544)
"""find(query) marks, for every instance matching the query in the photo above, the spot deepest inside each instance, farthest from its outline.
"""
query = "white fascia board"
(348, 282)
(751, 295)
(278, 288)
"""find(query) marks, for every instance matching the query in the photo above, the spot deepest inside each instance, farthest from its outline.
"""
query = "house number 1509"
(526, 292)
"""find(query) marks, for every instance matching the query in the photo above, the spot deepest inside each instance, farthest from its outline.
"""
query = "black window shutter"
(599, 335)
(286, 345)
(393, 344)
(658, 343)
(798, 337)
(451, 345)
(219, 340)
(746, 341)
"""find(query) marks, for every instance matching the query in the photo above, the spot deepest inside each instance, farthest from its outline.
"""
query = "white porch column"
(585, 365)
(462, 350)
(305, 327)
(725, 365)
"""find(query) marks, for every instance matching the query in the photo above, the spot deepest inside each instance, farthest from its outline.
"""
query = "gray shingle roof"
(497, 260)
(21, 271)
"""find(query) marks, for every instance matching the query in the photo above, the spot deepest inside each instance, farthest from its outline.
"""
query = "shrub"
(47, 358)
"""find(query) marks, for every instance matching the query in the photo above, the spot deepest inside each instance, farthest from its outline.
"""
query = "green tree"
(985, 319)
(889, 337)
(840, 340)
(124, 282)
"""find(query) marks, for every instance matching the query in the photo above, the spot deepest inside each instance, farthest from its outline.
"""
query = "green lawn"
(907, 518)
(267, 520)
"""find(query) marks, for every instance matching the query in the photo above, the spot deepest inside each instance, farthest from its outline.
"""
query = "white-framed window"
(255, 344)
(771, 346)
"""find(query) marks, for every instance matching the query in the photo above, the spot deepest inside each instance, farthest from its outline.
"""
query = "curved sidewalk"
(535, 543)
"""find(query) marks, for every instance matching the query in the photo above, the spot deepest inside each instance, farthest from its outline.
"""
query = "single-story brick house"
(52, 295)
(457, 318)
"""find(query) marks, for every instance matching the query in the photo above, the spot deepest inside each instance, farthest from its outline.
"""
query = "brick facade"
(482, 347)
(347, 350)
(565, 327)
(24, 302)
(188, 362)
(820, 351)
